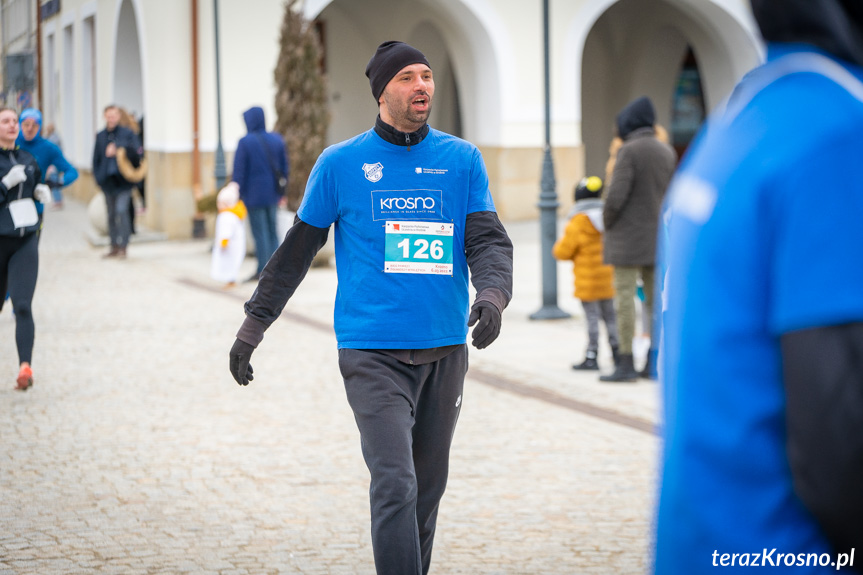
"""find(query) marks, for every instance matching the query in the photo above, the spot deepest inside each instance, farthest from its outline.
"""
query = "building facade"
(487, 55)
(17, 52)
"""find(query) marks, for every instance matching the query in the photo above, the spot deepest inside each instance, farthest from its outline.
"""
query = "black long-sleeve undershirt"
(823, 375)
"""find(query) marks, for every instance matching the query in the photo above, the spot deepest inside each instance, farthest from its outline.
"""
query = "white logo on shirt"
(374, 172)
(417, 203)
(437, 171)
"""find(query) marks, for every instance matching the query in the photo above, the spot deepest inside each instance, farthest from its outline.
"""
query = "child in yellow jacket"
(594, 282)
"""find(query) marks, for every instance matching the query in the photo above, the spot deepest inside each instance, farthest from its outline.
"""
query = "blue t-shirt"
(399, 216)
(764, 239)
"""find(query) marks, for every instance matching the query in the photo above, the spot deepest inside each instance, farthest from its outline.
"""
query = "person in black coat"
(642, 171)
(118, 190)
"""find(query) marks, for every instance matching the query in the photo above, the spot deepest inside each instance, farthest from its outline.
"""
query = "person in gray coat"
(633, 202)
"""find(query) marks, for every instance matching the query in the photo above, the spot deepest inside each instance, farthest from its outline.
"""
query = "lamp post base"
(549, 312)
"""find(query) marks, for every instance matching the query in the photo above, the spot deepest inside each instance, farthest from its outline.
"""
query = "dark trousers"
(594, 311)
(19, 268)
(406, 415)
(263, 224)
(119, 218)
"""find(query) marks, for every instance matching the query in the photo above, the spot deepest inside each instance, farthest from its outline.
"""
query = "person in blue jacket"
(763, 351)
(49, 156)
(260, 161)
(413, 214)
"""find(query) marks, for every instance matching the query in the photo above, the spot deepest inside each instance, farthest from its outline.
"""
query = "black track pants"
(406, 415)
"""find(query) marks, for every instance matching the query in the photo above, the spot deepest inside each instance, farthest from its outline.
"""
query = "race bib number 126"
(418, 248)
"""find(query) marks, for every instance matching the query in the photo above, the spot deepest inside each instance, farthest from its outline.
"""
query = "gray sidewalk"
(135, 452)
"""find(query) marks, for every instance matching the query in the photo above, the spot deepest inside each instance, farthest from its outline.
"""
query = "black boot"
(649, 371)
(115, 250)
(623, 372)
(589, 363)
(615, 353)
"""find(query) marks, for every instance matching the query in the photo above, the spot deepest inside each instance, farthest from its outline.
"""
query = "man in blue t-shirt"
(763, 323)
(412, 214)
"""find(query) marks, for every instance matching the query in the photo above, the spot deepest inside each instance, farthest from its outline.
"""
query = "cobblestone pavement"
(135, 452)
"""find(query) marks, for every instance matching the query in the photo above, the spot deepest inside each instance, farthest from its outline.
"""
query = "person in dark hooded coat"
(641, 175)
(762, 358)
(260, 161)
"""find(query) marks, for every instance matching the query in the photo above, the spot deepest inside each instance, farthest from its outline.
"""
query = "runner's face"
(29, 128)
(406, 101)
(8, 128)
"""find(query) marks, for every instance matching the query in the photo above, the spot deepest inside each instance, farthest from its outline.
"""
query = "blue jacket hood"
(254, 118)
(29, 113)
(45, 152)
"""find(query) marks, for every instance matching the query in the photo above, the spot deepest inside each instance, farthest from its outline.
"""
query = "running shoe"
(25, 378)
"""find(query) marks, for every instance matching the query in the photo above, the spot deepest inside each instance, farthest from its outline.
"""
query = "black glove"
(240, 354)
(488, 328)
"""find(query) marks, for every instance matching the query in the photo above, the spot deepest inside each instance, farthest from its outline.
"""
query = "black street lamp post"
(220, 171)
(548, 203)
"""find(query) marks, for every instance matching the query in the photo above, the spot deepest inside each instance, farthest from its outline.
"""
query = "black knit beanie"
(389, 58)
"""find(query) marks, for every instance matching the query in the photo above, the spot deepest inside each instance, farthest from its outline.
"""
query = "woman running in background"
(20, 221)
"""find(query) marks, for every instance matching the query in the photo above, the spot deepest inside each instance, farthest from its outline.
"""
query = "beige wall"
(514, 178)
(84, 187)
(170, 203)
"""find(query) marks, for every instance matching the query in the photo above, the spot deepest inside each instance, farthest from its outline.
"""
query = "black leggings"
(19, 267)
